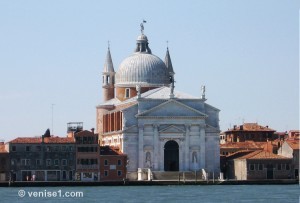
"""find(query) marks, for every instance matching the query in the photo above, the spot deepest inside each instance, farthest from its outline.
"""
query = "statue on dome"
(142, 26)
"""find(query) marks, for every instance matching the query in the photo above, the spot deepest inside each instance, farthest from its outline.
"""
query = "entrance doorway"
(270, 171)
(171, 156)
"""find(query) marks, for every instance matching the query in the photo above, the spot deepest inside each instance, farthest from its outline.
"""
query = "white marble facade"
(151, 122)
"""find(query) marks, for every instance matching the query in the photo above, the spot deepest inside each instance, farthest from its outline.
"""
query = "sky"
(52, 54)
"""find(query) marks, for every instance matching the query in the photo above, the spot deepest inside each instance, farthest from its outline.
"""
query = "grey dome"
(144, 69)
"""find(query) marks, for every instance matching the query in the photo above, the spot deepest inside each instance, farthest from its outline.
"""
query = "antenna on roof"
(52, 109)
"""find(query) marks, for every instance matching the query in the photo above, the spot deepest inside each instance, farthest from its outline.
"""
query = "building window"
(25, 162)
(64, 162)
(119, 162)
(64, 175)
(48, 162)
(127, 93)
(119, 173)
(105, 173)
(287, 167)
(105, 162)
(13, 148)
(56, 162)
(260, 167)
(27, 149)
(38, 148)
(278, 167)
(38, 162)
(13, 162)
(251, 166)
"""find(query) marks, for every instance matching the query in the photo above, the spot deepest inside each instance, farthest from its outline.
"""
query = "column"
(156, 147)
(141, 146)
(187, 147)
(161, 161)
(202, 147)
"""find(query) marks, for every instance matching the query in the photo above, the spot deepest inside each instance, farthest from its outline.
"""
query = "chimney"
(234, 127)
(93, 130)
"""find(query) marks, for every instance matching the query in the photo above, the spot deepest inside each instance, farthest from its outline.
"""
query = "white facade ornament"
(138, 90)
(203, 92)
(172, 90)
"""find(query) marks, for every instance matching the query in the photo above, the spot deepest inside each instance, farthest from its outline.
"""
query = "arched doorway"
(171, 156)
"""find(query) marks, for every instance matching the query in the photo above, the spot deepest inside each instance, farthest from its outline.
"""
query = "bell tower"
(108, 78)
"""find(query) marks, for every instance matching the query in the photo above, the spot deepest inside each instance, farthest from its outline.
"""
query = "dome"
(144, 69)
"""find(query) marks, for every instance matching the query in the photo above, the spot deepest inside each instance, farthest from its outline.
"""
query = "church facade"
(157, 127)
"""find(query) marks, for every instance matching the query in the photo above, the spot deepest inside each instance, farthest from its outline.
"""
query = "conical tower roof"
(108, 65)
(168, 62)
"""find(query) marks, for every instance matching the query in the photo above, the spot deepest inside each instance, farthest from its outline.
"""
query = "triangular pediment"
(172, 108)
(131, 129)
(172, 129)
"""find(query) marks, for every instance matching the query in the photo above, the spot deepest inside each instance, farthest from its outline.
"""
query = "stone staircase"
(176, 175)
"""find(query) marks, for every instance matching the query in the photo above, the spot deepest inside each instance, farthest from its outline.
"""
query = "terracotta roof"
(243, 145)
(37, 140)
(85, 133)
(108, 150)
(294, 144)
(259, 154)
(239, 154)
(251, 127)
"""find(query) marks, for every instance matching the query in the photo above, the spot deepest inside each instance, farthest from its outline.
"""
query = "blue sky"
(52, 52)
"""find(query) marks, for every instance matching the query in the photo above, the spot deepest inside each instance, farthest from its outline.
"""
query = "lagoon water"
(157, 194)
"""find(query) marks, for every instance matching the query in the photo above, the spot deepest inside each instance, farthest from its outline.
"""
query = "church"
(159, 128)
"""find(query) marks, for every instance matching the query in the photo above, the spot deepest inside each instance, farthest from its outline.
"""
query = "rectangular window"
(64, 162)
(13, 162)
(48, 161)
(38, 162)
(56, 162)
(13, 148)
(25, 162)
(119, 173)
(278, 167)
(251, 166)
(27, 149)
(127, 93)
(105, 162)
(119, 162)
(105, 173)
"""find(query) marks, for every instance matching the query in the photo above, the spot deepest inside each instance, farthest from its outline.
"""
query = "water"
(187, 194)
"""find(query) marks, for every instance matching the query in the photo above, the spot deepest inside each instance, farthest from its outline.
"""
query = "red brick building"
(87, 156)
(249, 131)
(112, 164)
